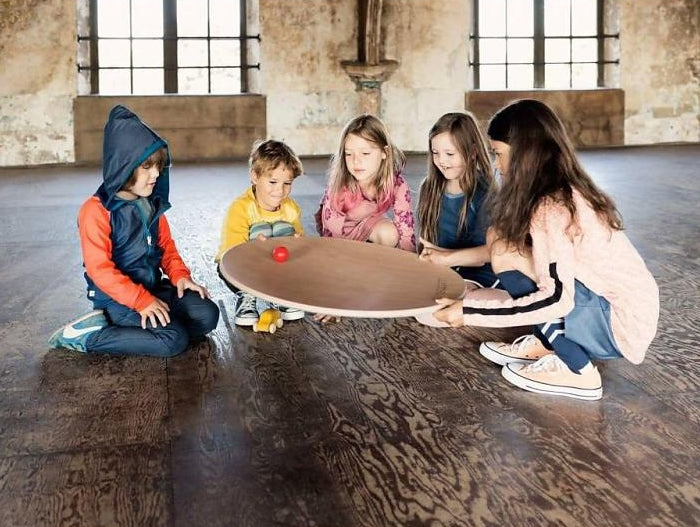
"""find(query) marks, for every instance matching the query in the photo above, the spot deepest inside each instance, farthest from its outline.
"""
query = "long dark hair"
(470, 142)
(543, 165)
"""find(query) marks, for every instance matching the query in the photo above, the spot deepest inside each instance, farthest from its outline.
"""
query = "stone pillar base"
(368, 80)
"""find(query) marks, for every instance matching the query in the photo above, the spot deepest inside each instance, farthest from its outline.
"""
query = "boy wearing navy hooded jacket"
(145, 300)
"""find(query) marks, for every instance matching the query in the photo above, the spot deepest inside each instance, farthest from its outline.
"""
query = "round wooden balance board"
(340, 277)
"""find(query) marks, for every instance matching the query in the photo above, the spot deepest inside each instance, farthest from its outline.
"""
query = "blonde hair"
(344, 190)
(268, 155)
(471, 145)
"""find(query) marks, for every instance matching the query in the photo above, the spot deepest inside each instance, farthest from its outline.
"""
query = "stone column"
(369, 71)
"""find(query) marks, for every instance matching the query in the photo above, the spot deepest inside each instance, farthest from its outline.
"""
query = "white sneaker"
(524, 350)
(288, 313)
(551, 376)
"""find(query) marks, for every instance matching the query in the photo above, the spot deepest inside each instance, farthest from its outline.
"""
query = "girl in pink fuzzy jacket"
(557, 246)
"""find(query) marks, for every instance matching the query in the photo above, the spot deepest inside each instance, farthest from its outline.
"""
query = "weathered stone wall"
(37, 81)
(430, 40)
(660, 70)
(309, 95)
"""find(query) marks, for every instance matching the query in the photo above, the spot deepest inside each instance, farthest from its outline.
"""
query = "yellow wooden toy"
(269, 320)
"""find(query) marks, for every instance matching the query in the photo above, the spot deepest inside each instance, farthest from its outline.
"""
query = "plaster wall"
(660, 70)
(430, 40)
(309, 95)
(37, 81)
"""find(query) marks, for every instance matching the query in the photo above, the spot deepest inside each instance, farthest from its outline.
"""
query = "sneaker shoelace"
(548, 363)
(523, 342)
(248, 303)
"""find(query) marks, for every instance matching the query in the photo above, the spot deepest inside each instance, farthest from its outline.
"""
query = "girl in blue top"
(451, 213)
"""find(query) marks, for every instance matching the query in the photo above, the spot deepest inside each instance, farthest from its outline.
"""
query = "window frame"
(170, 51)
(539, 38)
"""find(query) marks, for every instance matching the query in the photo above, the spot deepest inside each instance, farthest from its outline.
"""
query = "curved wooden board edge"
(335, 311)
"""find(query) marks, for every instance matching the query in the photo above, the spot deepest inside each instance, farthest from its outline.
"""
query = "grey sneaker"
(74, 335)
(246, 310)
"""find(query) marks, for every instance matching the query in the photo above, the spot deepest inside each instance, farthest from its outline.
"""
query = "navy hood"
(128, 142)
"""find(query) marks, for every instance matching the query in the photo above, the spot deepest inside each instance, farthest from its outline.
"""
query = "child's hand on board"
(451, 313)
(437, 255)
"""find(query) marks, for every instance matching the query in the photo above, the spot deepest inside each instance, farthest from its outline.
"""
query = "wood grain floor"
(362, 423)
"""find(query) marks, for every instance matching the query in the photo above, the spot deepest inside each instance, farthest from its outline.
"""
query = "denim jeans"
(587, 328)
(190, 317)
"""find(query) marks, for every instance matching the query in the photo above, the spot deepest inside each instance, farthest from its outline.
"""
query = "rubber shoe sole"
(292, 315)
(245, 321)
(586, 394)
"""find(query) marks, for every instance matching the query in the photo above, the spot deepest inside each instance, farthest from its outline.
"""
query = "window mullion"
(131, 48)
(601, 43)
(243, 20)
(538, 12)
(94, 50)
(170, 45)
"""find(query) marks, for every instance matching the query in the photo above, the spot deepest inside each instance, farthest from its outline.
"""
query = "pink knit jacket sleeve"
(403, 215)
(332, 220)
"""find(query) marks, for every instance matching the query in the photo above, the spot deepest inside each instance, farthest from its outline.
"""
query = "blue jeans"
(587, 332)
(190, 317)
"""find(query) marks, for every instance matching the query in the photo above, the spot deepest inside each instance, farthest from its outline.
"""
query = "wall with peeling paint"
(37, 81)
(660, 70)
(309, 95)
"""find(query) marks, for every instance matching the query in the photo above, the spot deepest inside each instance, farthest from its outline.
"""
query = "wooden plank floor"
(362, 423)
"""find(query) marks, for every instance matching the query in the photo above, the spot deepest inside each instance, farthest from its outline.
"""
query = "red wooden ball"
(280, 253)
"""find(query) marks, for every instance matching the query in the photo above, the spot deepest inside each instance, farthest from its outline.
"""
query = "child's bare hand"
(323, 318)
(437, 255)
(156, 311)
(451, 313)
(261, 237)
(188, 283)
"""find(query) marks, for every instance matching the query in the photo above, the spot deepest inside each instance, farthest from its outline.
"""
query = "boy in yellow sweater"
(263, 211)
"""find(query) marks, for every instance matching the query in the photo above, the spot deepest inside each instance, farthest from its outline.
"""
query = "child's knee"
(500, 256)
(261, 228)
(282, 228)
(209, 316)
(202, 314)
(505, 257)
(385, 233)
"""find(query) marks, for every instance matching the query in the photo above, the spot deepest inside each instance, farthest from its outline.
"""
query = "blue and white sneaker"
(74, 335)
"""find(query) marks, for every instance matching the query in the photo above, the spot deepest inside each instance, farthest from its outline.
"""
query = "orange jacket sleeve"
(96, 245)
(171, 262)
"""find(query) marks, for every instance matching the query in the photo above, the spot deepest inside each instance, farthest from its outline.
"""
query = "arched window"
(551, 44)
(151, 47)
